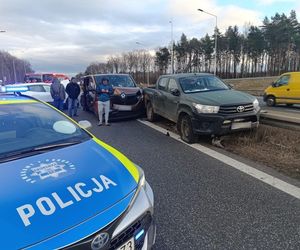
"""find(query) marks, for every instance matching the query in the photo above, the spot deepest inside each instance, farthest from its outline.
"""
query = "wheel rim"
(185, 128)
(149, 111)
(270, 101)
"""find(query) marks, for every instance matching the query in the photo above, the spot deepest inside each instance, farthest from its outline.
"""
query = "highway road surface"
(202, 202)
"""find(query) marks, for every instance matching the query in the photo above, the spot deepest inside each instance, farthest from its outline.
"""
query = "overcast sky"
(66, 35)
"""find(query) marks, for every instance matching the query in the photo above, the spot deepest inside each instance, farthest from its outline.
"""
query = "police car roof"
(28, 84)
(15, 97)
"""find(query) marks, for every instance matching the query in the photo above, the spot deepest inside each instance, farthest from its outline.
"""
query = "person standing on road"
(73, 91)
(58, 94)
(104, 91)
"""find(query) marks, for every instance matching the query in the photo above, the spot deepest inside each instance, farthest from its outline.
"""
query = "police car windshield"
(35, 125)
(193, 84)
(117, 80)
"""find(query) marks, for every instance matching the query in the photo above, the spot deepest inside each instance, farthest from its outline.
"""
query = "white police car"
(62, 188)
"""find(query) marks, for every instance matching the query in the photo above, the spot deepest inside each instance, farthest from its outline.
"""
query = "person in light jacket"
(104, 91)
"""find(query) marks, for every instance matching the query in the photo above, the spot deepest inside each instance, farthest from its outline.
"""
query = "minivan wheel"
(150, 112)
(186, 130)
(271, 101)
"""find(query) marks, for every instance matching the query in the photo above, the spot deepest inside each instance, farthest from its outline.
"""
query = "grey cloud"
(62, 35)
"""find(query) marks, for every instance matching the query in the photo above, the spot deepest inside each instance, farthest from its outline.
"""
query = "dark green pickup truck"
(201, 104)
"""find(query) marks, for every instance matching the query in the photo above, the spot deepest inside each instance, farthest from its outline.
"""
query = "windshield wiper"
(35, 150)
(56, 145)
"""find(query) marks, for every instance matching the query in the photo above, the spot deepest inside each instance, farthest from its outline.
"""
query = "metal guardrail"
(280, 119)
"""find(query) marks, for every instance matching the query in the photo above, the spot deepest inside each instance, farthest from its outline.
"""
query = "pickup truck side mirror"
(175, 92)
(230, 85)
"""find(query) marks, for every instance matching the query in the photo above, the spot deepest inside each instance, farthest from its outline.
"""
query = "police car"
(62, 188)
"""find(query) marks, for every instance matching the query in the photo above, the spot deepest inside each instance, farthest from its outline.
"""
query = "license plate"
(240, 125)
(122, 107)
(129, 245)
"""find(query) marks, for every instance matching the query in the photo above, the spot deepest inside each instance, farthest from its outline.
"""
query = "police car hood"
(48, 194)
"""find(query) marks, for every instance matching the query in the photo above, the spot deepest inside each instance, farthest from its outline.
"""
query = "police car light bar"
(6, 89)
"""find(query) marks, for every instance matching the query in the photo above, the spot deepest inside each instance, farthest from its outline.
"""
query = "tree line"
(266, 50)
(13, 69)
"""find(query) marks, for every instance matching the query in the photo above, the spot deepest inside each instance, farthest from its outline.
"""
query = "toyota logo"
(100, 241)
(240, 109)
(123, 95)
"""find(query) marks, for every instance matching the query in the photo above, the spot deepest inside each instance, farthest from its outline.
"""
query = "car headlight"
(256, 105)
(206, 108)
(141, 184)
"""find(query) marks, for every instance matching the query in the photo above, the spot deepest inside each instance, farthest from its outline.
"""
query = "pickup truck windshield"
(31, 126)
(193, 84)
(117, 80)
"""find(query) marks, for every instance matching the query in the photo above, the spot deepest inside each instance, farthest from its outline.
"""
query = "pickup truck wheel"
(271, 101)
(150, 112)
(186, 130)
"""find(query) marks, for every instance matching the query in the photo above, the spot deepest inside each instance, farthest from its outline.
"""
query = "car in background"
(63, 188)
(44, 77)
(39, 90)
(285, 90)
(126, 102)
(201, 104)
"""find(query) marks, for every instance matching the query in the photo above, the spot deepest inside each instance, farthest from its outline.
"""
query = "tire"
(271, 101)
(186, 129)
(151, 116)
(289, 104)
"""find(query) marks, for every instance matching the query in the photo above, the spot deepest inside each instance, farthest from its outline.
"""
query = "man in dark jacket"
(73, 91)
(57, 91)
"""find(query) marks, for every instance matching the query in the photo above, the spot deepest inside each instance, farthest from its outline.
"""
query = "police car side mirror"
(85, 124)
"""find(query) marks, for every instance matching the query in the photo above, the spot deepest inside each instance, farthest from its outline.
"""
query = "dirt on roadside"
(277, 148)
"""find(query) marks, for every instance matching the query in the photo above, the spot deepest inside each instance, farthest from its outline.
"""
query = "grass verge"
(277, 148)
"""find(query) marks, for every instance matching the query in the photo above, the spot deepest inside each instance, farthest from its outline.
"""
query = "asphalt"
(201, 203)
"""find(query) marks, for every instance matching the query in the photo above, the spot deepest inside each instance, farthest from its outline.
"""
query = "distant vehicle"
(201, 104)
(39, 90)
(127, 100)
(285, 90)
(44, 77)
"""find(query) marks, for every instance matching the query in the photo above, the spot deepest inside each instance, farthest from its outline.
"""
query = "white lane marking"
(262, 176)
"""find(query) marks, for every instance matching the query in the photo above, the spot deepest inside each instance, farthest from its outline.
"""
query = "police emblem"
(50, 168)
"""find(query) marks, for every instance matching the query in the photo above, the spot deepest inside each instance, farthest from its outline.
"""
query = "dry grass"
(274, 147)
(254, 86)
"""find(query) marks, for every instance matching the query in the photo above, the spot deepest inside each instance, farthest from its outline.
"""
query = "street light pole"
(14, 68)
(172, 47)
(216, 37)
(2, 31)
